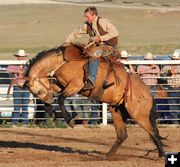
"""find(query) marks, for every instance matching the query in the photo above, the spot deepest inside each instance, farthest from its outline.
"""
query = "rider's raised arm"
(77, 33)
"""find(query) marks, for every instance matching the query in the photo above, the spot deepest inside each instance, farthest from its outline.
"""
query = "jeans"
(83, 107)
(94, 114)
(93, 69)
(21, 101)
(153, 91)
(174, 103)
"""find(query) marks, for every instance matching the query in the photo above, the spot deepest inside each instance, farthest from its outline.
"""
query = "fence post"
(104, 113)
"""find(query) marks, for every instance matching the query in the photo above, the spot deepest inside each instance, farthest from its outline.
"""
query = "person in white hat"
(175, 55)
(20, 96)
(125, 57)
(173, 80)
(21, 54)
(148, 56)
(149, 73)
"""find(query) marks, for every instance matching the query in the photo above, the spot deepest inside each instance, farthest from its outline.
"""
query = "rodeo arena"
(130, 117)
(87, 113)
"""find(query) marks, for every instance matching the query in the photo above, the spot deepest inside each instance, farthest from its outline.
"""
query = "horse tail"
(153, 117)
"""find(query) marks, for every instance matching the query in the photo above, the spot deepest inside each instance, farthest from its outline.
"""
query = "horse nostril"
(39, 92)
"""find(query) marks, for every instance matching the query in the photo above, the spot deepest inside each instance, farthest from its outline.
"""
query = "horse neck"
(74, 52)
(45, 65)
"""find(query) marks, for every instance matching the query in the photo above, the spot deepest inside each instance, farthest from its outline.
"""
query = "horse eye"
(39, 92)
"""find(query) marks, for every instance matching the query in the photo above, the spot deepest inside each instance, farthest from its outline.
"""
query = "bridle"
(50, 74)
(38, 79)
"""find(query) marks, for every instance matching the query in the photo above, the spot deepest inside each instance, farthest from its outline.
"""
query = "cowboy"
(20, 96)
(99, 30)
(125, 57)
(149, 73)
(173, 80)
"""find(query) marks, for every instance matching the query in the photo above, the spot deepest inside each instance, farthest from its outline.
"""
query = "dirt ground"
(81, 147)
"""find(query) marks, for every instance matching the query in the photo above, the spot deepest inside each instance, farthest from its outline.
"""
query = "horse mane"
(82, 55)
(79, 46)
(40, 55)
(78, 52)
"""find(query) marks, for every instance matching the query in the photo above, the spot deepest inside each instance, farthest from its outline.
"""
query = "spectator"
(149, 73)
(20, 96)
(173, 80)
(84, 109)
(94, 113)
(162, 104)
(81, 106)
(124, 56)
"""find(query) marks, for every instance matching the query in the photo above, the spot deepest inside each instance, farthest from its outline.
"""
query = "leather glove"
(97, 39)
(65, 44)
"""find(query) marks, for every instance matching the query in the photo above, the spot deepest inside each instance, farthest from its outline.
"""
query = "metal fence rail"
(102, 113)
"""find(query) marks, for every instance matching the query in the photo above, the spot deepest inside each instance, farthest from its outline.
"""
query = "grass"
(52, 124)
(95, 126)
(4, 124)
(37, 27)
(49, 123)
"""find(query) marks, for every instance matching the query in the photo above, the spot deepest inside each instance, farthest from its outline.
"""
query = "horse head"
(45, 64)
(38, 70)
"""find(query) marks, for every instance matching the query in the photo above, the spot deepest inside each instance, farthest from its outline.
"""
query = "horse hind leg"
(156, 136)
(120, 127)
(148, 122)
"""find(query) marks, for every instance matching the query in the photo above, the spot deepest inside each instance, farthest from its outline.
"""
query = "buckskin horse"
(128, 96)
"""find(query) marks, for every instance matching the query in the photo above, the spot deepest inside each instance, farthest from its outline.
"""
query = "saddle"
(101, 50)
(104, 53)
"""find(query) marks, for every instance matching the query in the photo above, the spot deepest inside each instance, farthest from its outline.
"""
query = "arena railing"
(103, 114)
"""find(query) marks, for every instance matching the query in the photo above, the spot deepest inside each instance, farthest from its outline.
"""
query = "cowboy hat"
(21, 53)
(124, 54)
(148, 56)
(176, 54)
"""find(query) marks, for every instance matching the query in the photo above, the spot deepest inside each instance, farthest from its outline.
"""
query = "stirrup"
(89, 85)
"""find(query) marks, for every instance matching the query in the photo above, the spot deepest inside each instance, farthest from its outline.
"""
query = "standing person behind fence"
(125, 57)
(20, 96)
(173, 74)
(82, 108)
(100, 30)
(149, 73)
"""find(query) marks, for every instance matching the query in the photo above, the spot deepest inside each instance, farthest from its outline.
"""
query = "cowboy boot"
(89, 85)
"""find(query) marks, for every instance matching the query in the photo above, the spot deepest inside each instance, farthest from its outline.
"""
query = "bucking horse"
(126, 94)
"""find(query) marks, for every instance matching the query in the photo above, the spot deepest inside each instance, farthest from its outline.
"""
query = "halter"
(49, 89)
(38, 79)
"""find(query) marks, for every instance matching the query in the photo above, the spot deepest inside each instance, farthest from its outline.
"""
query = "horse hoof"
(108, 155)
(71, 124)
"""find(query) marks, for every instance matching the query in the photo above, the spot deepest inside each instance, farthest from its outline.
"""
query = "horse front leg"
(120, 128)
(52, 113)
(71, 89)
(64, 112)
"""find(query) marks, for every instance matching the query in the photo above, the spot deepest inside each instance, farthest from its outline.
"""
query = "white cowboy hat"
(148, 56)
(176, 54)
(21, 53)
(124, 54)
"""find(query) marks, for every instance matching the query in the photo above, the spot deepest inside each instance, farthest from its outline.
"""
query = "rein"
(49, 89)
(52, 72)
